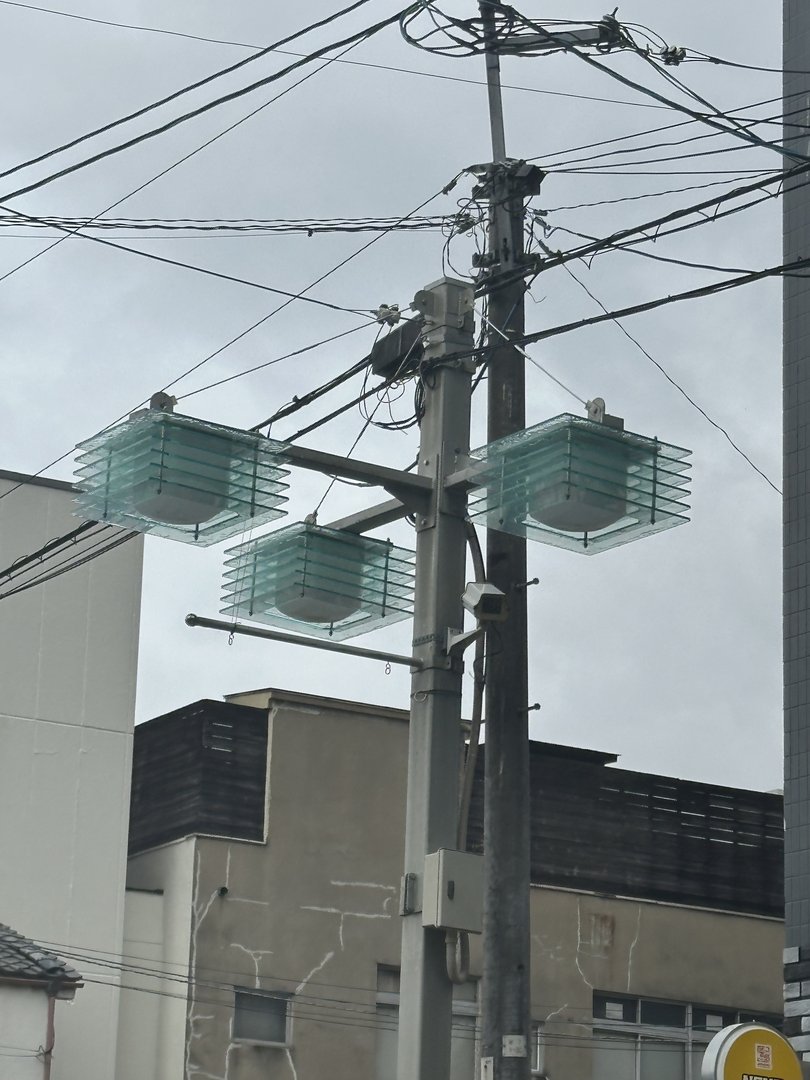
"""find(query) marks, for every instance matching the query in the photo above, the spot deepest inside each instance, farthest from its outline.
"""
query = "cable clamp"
(388, 314)
(673, 55)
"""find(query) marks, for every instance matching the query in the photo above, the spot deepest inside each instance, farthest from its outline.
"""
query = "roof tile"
(21, 958)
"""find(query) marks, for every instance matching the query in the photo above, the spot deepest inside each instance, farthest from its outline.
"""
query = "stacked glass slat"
(180, 478)
(578, 484)
(319, 581)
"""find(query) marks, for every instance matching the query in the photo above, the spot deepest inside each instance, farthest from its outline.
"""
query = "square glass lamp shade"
(578, 484)
(180, 478)
(319, 581)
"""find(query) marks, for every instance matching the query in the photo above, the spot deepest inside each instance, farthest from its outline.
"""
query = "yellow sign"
(750, 1052)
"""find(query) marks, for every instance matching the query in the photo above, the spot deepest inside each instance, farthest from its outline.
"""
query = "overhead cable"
(201, 269)
(169, 168)
(337, 60)
(184, 90)
(699, 408)
(675, 215)
(784, 269)
(746, 136)
(201, 109)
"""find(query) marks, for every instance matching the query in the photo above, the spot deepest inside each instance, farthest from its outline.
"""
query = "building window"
(261, 1017)
(647, 1039)
(463, 1035)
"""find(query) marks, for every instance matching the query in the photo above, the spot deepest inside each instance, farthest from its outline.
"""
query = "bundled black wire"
(307, 226)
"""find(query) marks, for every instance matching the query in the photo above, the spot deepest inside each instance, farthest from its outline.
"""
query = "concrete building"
(32, 980)
(67, 692)
(266, 839)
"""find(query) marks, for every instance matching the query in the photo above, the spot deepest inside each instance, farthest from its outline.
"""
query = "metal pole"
(425, 999)
(506, 1001)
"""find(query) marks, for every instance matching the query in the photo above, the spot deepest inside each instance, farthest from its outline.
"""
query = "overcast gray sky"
(666, 651)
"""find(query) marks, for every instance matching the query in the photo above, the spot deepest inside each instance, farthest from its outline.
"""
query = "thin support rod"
(494, 95)
(294, 639)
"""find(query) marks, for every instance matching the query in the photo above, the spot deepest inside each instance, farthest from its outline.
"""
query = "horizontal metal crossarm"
(373, 517)
(414, 489)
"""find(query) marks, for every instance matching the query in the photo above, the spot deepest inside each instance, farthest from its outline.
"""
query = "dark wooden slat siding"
(200, 769)
(612, 831)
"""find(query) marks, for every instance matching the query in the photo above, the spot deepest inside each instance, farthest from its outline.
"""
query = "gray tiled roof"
(21, 958)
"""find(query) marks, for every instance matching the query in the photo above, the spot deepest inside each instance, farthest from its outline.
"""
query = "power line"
(88, 554)
(200, 269)
(259, 322)
(307, 226)
(277, 360)
(629, 249)
(349, 1012)
(178, 93)
(600, 171)
(646, 195)
(631, 244)
(652, 305)
(234, 95)
(169, 168)
(708, 58)
(747, 136)
(352, 63)
(567, 328)
(719, 427)
(753, 122)
(655, 224)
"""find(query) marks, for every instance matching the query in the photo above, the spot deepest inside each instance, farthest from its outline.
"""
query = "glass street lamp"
(319, 581)
(180, 478)
(580, 484)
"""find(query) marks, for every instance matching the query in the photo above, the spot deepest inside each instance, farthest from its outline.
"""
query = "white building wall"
(23, 1032)
(67, 693)
(153, 1036)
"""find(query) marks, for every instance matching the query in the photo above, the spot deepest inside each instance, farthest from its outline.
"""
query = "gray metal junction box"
(453, 891)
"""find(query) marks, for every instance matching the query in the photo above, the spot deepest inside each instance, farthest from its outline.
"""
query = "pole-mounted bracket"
(447, 307)
(456, 641)
(408, 895)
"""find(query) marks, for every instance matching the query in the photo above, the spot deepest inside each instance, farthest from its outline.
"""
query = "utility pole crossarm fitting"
(413, 489)
(520, 43)
(373, 517)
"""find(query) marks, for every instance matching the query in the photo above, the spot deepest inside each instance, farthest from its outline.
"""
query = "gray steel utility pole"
(435, 741)
(505, 999)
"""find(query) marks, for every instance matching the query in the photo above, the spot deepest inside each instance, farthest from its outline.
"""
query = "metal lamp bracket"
(456, 641)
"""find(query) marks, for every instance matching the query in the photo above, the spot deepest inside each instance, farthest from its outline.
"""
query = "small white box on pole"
(453, 891)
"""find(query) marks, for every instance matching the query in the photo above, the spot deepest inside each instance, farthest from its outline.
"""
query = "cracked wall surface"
(314, 911)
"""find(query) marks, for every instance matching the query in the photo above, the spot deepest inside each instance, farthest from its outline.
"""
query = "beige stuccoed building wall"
(67, 695)
(312, 912)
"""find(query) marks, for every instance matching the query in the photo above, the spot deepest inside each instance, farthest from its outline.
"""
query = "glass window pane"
(614, 1056)
(707, 1019)
(662, 1060)
(663, 1014)
(260, 1017)
(615, 1007)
